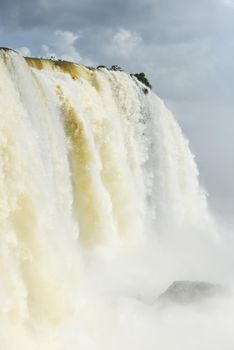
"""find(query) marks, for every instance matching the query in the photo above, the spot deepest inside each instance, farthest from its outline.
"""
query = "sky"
(185, 48)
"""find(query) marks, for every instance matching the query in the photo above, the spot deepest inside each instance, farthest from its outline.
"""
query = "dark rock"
(184, 292)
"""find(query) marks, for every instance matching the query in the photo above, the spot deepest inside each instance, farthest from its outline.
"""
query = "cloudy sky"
(185, 47)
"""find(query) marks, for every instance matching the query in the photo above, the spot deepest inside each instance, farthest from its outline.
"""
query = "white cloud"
(125, 41)
(25, 51)
(63, 46)
(229, 3)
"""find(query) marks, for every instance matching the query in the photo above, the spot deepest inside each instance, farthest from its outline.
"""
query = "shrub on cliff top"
(142, 78)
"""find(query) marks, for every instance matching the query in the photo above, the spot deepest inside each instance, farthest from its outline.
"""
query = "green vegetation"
(101, 66)
(116, 68)
(7, 49)
(142, 78)
(139, 76)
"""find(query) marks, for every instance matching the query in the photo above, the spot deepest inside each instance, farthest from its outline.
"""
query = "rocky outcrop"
(184, 292)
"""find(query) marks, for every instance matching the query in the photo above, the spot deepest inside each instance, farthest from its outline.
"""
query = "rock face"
(184, 292)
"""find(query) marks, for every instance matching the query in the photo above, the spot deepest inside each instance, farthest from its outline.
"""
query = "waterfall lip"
(75, 70)
(51, 60)
(55, 62)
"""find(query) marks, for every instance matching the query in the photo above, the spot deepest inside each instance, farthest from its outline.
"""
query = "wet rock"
(184, 292)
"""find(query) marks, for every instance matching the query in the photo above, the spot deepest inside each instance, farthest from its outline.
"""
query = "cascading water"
(91, 169)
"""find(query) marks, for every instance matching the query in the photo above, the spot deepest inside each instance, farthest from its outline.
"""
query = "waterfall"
(90, 165)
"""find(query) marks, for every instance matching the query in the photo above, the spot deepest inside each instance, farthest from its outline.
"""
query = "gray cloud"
(173, 19)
